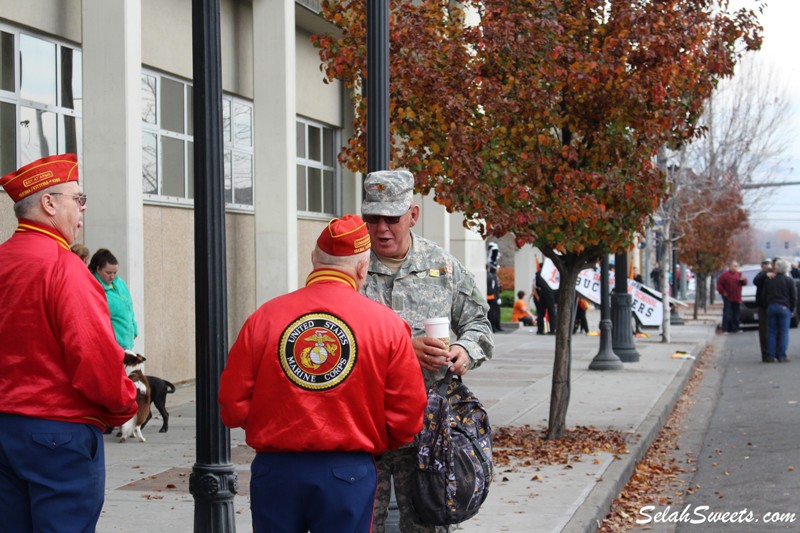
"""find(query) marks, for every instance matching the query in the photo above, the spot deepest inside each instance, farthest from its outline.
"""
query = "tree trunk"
(569, 268)
(712, 290)
(666, 259)
(704, 296)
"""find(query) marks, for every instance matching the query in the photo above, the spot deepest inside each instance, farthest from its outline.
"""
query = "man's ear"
(414, 209)
(362, 268)
(47, 204)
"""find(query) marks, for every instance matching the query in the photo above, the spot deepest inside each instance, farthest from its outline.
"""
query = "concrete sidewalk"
(147, 487)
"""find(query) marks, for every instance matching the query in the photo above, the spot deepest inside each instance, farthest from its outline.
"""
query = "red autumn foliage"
(542, 119)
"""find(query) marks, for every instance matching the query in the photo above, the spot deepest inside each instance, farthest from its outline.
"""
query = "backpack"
(454, 458)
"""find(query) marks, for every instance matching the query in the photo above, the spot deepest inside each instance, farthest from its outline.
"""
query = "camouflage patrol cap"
(388, 193)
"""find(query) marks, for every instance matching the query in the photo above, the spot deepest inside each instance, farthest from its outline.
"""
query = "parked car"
(749, 309)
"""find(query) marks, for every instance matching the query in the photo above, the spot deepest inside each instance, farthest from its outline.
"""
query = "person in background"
(81, 251)
(780, 295)
(581, 322)
(729, 286)
(521, 313)
(655, 277)
(544, 298)
(61, 374)
(795, 272)
(758, 281)
(105, 267)
(418, 279)
(322, 380)
(493, 288)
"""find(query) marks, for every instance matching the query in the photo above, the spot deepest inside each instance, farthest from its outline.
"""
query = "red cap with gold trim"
(40, 174)
(344, 236)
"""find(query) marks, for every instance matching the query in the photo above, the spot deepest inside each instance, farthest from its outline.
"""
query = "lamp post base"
(622, 342)
(213, 488)
(605, 359)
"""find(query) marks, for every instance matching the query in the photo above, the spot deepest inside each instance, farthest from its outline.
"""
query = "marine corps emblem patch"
(317, 351)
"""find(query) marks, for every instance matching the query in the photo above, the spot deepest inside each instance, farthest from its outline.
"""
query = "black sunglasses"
(374, 219)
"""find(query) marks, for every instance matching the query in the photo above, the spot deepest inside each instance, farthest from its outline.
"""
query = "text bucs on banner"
(317, 351)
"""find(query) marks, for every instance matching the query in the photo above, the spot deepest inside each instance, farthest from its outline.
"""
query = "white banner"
(648, 309)
(646, 304)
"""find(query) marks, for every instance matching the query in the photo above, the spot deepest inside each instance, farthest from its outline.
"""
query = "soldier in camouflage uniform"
(419, 280)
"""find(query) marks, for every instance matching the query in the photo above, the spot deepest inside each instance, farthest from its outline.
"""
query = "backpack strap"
(446, 381)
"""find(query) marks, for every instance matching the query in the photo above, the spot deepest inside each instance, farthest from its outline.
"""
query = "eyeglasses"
(374, 219)
(80, 198)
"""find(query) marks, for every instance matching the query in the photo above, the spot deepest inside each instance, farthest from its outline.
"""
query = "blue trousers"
(313, 491)
(779, 317)
(52, 475)
(731, 314)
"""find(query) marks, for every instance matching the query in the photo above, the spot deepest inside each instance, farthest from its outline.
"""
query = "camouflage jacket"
(431, 283)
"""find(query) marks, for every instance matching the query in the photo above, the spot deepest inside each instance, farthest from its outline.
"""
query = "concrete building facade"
(112, 81)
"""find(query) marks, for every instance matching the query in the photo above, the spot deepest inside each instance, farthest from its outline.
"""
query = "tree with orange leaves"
(542, 117)
(714, 216)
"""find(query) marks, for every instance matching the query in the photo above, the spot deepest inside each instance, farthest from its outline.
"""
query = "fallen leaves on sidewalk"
(656, 480)
(528, 446)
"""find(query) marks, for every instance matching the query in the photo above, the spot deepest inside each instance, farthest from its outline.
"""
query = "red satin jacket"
(59, 359)
(324, 369)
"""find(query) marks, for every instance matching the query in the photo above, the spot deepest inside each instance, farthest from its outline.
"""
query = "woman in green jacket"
(104, 266)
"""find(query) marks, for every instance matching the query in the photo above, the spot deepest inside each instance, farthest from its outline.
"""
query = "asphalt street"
(743, 438)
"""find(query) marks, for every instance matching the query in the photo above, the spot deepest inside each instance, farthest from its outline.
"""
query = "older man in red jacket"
(61, 374)
(729, 286)
(322, 379)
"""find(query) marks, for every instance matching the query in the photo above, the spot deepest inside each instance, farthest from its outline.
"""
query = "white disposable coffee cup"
(438, 328)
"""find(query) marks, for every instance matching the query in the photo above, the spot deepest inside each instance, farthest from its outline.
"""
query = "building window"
(317, 171)
(237, 127)
(41, 99)
(168, 144)
(313, 5)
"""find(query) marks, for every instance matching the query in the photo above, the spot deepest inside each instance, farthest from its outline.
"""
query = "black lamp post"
(213, 481)
(621, 309)
(605, 359)
(378, 148)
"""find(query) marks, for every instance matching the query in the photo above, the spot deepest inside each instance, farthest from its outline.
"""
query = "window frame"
(156, 130)
(61, 113)
(320, 165)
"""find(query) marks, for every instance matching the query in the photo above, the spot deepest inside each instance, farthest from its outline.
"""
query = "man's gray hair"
(325, 258)
(781, 266)
(26, 205)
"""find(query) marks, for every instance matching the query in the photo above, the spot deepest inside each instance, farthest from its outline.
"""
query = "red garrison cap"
(344, 236)
(40, 174)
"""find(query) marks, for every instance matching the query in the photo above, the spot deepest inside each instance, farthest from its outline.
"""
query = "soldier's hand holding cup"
(433, 350)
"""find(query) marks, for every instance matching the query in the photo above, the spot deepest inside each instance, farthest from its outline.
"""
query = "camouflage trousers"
(398, 464)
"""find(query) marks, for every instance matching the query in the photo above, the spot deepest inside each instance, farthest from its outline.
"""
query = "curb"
(596, 506)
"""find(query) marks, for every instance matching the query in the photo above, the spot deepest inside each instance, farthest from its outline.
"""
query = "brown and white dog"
(134, 367)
